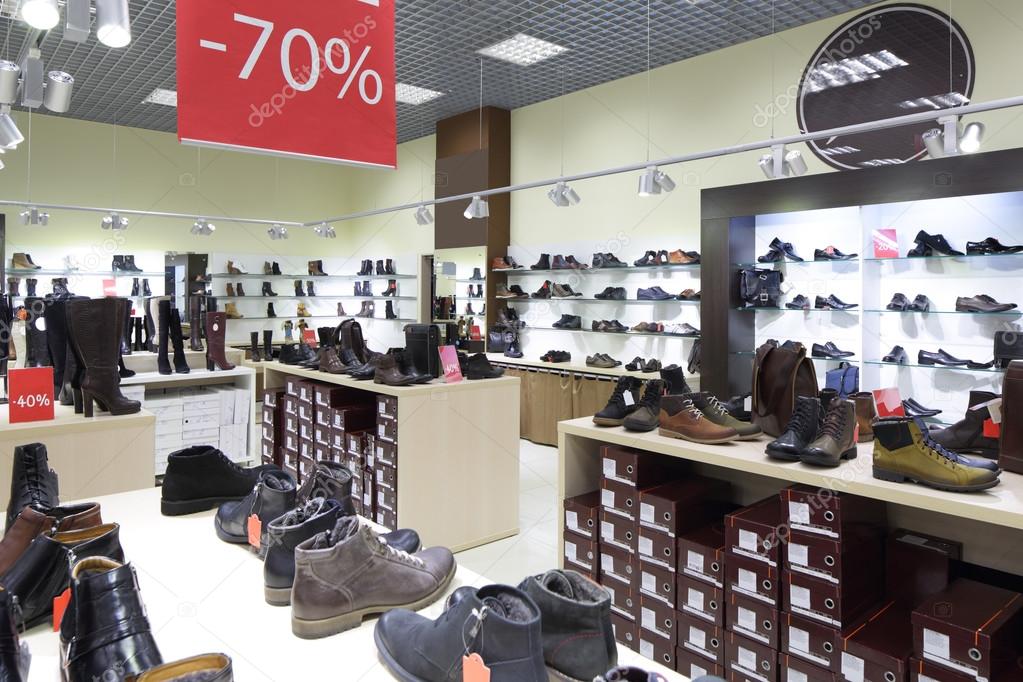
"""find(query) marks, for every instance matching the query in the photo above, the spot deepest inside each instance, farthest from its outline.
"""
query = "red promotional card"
(309, 336)
(886, 243)
(30, 393)
(110, 287)
(889, 402)
(475, 335)
(449, 361)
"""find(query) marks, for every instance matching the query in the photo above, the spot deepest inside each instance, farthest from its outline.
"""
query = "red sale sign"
(313, 80)
(30, 394)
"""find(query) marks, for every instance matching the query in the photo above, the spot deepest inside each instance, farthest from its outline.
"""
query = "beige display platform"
(204, 595)
(989, 524)
(144, 361)
(92, 457)
(458, 454)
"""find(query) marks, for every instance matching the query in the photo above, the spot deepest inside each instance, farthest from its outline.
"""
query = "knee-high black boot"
(162, 361)
(178, 341)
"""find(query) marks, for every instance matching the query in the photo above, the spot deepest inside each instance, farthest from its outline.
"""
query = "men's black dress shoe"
(830, 351)
(653, 294)
(992, 247)
(897, 355)
(982, 303)
(616, 327)
(937, 243)
(785, 248)
(800, 302)
(920, 304)
(605, 295)
(899, 303)
(771, 256)
(832, 302)
(636, 365)
(915, 409)
(980, 365)
(569, 322)
(652, 365)
(831, 253)
(607, 260)
(920, 251)
(939, 358)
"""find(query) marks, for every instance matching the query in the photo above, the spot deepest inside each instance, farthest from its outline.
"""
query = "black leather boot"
(967, 435)
(105, 627)
(618, 407)
(270, 312)
(195, 323)
(33, 482)
(129, 264)
(268, 345)
(178, 342)
(56, 341)
(675, 380)
(135, 286)
(267, 290)
(150, 326)
(94, 330)
(254, 353)
(162, 359)
(498, 622)
(299, 292)
(575, 616)
(381, 270)
(275, 269)
(310, 289)
(12, 286)
(37, 349)
(137, 322)
(284, 534)
(389, 267)
(14, 654)
(389, 313)
(200, 478)
(480, 368)
(126, 331)
(273, 495)
(146, 291)
(30, 286)
(807, 419)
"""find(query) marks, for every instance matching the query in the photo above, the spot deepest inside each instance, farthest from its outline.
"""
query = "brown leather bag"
(780, 374)
(1010, 447)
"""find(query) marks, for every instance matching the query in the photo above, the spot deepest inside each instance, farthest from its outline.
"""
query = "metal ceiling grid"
(436, 49)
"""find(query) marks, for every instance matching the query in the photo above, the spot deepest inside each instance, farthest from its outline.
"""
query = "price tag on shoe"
(889, 402)
(30, 394)
(449, 361)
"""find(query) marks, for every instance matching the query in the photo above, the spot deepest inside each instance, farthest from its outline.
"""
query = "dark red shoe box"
(795, 669)
(292, 471)
(368, 494)
(753, 579)
(268, 432)
(618, 532)
(292, 386)
(658, 619)
(338, 455)
(387, 518)
(701, 638)
(921, 670)
(387, 430)
(356, 483)
(291, 456)
(387, 477)
(618, 567)
(355, 443)
(332, 395)
(624, 601)
(268, 451)
(655, 548)
(290, 403)
(582, 514)
(385, 453)
(291, 423)
(701, 554)
(746, 659)
(757, 531)
(369, 449)
(386, 500)
(305, 449)
(971, 627)
(658, 583)
(269, 414)
(918, 566)
(879, 648)
(324, 416)
(827, 512)
(356, 461)
(619, 498)
(272, 396)
(322, 453)
(353, 418)
(754, 619)
(832, 559)
(637, 468)
(657, 648)
(387, 406)
(305, 429)
(700, 600)
(306, 411)
(338, 439)
(306, 466)
(626, 631)
(838, 605)
(811, 641)
(694, 666)
(322, 435)
(582, 554)
(680, 506)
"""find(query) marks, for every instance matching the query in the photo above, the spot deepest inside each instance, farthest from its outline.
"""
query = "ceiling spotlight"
(276, 232)
(114, 222)
(10, 136)
(423, 216)
(57, 97)
(781, 164)
(10, 79)
(654, 181)
(478, 209)
(113, 23)
(951, 139)
(325, 231)
(561, 195)
(33, 216)
(41, 14)
(203, 228)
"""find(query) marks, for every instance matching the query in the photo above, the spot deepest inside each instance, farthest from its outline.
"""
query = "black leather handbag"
(422, 342)
(760, 288)
(1008, 347)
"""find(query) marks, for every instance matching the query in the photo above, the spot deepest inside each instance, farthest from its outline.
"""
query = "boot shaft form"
(254, 352)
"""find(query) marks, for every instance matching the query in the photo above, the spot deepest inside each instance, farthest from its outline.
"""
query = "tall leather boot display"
(178, 342)
(94, 330)
(37, 353)
(33, 483)
(389, 311)
(139, 337)
(195, 323)
(162, 360)
(216, 332)
(57, 341)
(1010, 446)
(268, 345)
(126, 335)
(14, 654)
(254, 352)
(12, 286)
(150, 326)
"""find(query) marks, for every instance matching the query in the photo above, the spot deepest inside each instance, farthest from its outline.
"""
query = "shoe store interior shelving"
(88, 272)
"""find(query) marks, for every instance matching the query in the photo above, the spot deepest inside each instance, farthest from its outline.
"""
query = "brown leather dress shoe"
(32, 522)
(680, 257)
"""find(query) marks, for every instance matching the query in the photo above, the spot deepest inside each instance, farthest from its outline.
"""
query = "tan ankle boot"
(231, 310)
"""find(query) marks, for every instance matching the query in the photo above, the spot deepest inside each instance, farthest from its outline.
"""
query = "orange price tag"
(473, 669)
(60, 604)
(992, 430)
(255, 529)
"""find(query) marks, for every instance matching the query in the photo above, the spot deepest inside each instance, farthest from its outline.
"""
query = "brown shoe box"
(290, 403)
(834, 604)
(971, 627)
(263, 459)
(757, 531)
(626, 631)
(618, 567)
(306, 411)
(269, 414)
(369, 448)
(321, 452)
(699, 637)
(753, 579)
(618, 532)
(753, 618)
(658, 619)
(835, 560)
(387, 518)
(322, 434)
(921, 670)
(826, 512)
(655, 548)
(267, 450)
(657, 583)
(291, 386)
(291, 455)
(680, 506)
(387, 500)
(353, 418)
(291, 423)
(293, 472)
(385, 453)
(305, 429)
(657, 648)
(582, 514)
(338, 438)
(879, 647)
(795, 669)
(272, 396)
(368, 494)
(331, 395)
(270, 433)
(306, 466)
(636, 468)
(305, 449)
(355, 443)
(338, 455)
(624, 601)
(749, 660)
(387, 430)
(811, 641)
(918, 566)
(582, 554)
(701, 553)
(700, 600)
(387, 477)
(356, 461)
(324, 415)
(356, 482)
(695, 666)
(387, 406)
(619, 498)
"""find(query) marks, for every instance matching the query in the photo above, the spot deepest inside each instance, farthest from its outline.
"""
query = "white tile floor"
(534, 549)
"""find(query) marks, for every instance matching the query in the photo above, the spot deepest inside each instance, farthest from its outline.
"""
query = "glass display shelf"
(271, 299)
(797, 310)
(911, 365)
(594, 300)
(284, 318)
(601, 271)
(796, 263)
(83, 273)
(661, 335)
(942, 257)
(1007, 313)
(752, 354)
(472, 281)
(224, 275)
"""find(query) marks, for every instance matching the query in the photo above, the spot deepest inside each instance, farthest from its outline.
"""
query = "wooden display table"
(458, 450)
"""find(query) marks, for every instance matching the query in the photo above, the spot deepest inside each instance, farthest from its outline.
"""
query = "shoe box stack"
(272, 427)
(384, 464)
(207, 415)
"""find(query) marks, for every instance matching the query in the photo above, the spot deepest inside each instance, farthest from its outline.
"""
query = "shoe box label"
(618, 532)
(387, 406)
(619, 498)
(753, 579)
(750, 658)
(752, 618)
(827, 512)
(695, 666)
(701, 638)
(657, 618)
(657, 583)
(810, 641)
(700, 600)
(582, 553)
(655, 547)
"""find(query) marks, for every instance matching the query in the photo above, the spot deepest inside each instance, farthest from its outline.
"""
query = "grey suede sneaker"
(348, 573)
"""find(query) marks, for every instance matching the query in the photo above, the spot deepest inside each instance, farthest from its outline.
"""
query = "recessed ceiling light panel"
(413, 94)
(168, 98)
(523, 50)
